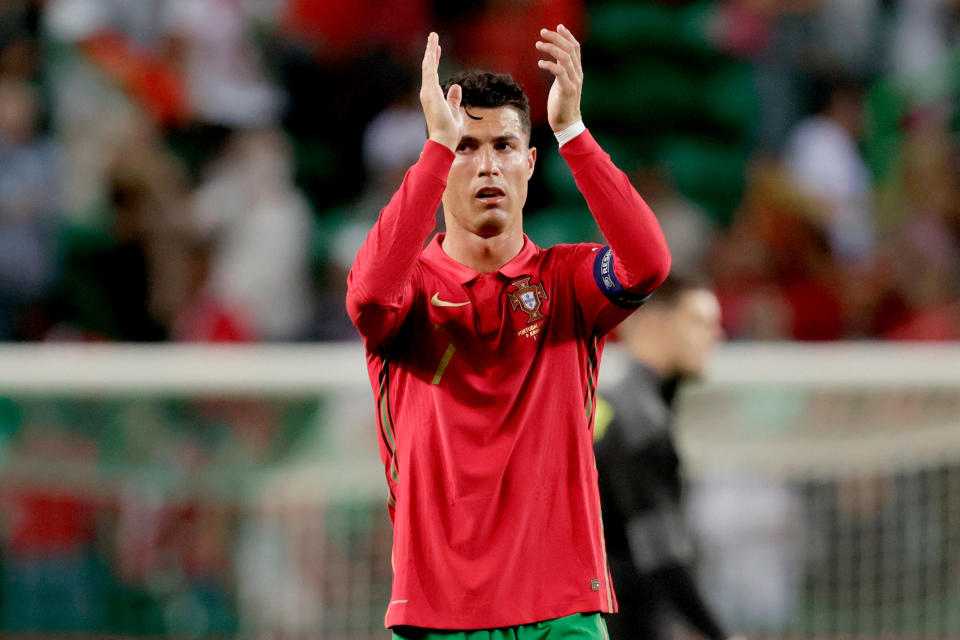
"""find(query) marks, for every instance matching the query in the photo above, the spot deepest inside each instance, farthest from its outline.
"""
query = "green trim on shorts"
(579, 626)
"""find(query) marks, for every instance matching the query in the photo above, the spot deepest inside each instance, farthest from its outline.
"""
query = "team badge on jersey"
(528, 298)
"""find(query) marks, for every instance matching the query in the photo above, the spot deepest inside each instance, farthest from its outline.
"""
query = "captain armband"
(607, 281)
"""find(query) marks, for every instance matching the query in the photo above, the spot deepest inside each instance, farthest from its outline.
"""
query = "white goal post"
(285, 369)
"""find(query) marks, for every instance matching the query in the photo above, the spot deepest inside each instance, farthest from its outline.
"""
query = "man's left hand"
(563, 103)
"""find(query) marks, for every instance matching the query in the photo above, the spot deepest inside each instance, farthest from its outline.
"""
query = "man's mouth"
(490, 195)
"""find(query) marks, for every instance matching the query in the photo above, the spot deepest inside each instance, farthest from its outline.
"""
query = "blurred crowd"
(204, 170)
(152, 517)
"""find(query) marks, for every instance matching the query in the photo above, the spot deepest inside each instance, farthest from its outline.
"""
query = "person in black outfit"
(648, 546)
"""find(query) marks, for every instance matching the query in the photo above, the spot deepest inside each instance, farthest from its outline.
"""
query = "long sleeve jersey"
(485, 389)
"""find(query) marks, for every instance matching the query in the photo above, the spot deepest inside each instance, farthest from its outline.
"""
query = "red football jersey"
(484, 385)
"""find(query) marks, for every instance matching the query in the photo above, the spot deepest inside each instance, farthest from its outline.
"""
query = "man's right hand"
(443, 114)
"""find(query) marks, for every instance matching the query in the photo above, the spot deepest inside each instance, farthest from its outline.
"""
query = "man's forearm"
(385, 261)
(642, 259)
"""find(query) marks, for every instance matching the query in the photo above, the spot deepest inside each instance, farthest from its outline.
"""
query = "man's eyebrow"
(507, 137)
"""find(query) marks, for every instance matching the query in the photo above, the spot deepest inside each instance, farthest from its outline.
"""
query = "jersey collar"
(521, 264)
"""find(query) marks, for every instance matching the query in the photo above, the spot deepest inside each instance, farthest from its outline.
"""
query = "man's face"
(487, 184)
(694, 327)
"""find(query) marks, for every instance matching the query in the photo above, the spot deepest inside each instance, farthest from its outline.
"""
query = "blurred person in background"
(648, 544)
(774, 272)
(920, 262)
(823, 158)
(30, 173)
(261, 226)
(107, 86)
(19, 39)
(212, 42)
(126, 280)
(920, 38)
(205, 316)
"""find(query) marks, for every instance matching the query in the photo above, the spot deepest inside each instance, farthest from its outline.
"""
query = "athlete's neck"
(485, 255)
(653, 353)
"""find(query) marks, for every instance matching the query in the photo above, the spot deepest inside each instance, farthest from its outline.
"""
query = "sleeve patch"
(607, 281)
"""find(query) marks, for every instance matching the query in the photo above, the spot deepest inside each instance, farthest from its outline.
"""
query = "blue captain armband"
(607, 281)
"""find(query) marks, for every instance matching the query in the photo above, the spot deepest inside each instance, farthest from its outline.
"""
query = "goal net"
(198, 492)
(825, 489)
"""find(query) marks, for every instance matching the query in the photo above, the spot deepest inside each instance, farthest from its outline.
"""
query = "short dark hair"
(676, 285)
(486, 89)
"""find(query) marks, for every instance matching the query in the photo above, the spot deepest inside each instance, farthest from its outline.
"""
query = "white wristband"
(571, 132)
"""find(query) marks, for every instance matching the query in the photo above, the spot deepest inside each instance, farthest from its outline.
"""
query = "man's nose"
(487, 162)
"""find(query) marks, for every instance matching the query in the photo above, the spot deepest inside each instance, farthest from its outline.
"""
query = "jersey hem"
(472, 624)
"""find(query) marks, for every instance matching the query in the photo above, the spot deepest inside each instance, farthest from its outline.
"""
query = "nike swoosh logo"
(437, 302)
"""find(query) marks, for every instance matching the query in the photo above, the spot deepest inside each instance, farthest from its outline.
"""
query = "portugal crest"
(528, 297)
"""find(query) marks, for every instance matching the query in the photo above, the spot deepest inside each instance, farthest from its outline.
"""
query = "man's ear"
(531, 160)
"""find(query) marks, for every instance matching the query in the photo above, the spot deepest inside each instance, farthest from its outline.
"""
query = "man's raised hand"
(563, 103)
(442, 113)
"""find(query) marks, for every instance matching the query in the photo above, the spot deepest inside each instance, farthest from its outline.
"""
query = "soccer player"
(483, 351)
(640, 483)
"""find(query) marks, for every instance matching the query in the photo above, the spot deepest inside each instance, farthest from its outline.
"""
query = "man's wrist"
(569, 133)
(449, 143)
